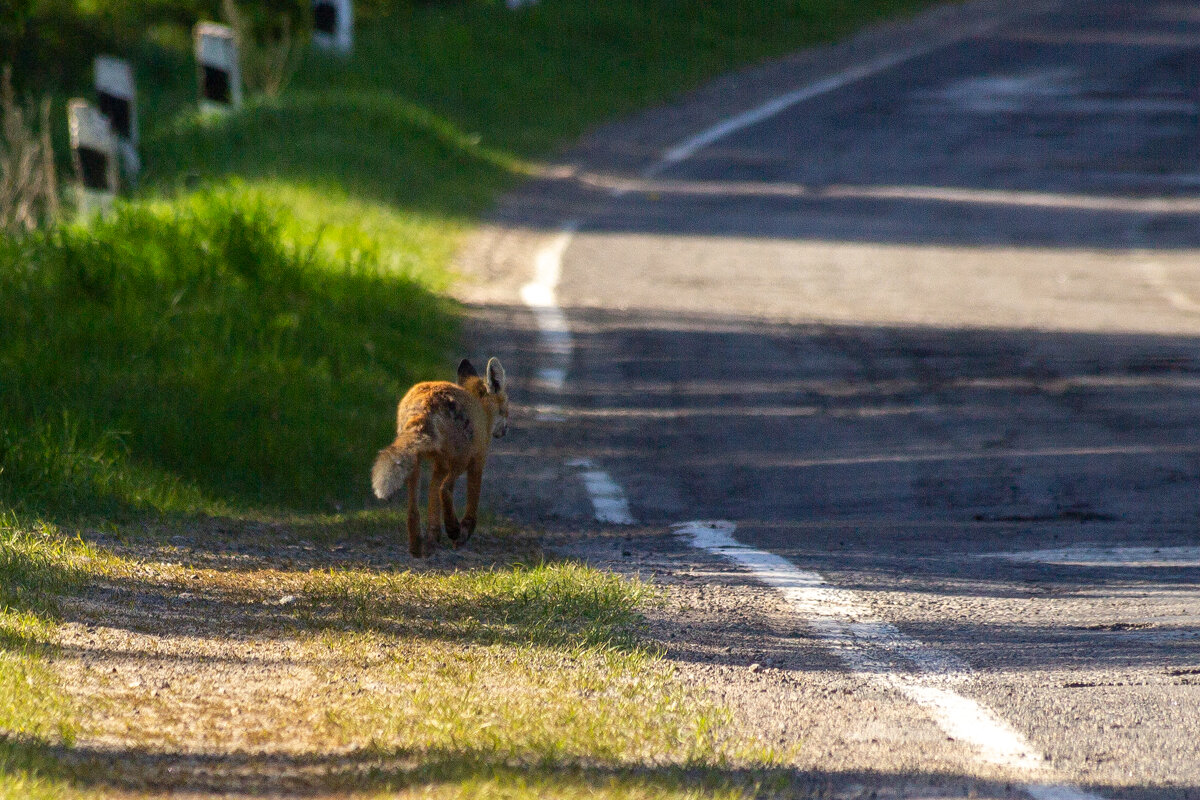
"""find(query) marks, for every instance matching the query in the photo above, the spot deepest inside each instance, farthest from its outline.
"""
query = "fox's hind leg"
(474, 482)
(448, 517)
(414, 512)
(433, 520)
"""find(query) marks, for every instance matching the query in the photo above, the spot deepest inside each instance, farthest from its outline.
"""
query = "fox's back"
(445, 412)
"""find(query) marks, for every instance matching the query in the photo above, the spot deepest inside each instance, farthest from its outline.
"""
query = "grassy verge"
(213, 360)
(37, 566)
(212, 665)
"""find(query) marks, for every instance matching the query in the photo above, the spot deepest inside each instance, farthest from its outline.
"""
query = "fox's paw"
(459, 537)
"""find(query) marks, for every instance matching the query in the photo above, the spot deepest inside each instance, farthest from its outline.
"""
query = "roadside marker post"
(94, 151)
(333, 25)
(217, 68)
(116, 96)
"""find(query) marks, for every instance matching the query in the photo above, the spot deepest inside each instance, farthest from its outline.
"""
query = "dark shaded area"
(117, 110)
(891, 459)
(93, 168)
(214, 84)
(304, 774)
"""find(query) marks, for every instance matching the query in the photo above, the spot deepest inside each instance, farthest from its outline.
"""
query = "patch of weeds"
(519, 681)
(561, 604)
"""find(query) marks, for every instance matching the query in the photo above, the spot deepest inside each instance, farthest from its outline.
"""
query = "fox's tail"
(395, 462)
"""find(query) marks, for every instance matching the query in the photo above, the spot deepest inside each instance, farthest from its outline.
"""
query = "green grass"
(212, 358)
(240, 349)
(37, 566)
(512, 679)
(520, 681)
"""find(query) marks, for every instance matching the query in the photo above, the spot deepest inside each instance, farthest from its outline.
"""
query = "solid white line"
(606, 496)
(864, 644)
(690, 146)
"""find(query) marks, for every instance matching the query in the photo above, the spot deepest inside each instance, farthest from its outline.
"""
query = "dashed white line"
(864, 644)
(541, 295)
(607, 498)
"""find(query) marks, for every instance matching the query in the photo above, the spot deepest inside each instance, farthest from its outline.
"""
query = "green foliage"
(196, 342)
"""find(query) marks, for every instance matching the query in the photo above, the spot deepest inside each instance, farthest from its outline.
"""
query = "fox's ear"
(495, 376)
(466, 370)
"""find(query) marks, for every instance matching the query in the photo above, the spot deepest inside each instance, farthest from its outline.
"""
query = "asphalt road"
(916, 330)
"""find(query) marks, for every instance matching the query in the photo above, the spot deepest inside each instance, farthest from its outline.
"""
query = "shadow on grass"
(388, 770)
(502, 594)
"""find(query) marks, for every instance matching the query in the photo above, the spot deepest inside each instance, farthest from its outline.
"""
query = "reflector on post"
(117, 98)
(333, 25)
(217, 67)
(94, 151)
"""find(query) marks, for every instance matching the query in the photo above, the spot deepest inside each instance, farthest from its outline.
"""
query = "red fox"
(450, 424)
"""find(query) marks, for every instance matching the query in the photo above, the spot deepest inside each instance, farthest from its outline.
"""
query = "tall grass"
(196, 349)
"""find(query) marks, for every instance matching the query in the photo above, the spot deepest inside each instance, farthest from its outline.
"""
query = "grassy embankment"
(231, 344)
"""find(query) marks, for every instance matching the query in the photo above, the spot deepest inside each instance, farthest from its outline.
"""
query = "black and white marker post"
(333, 25)
(117, 98)
(94, 151)
(217, 68)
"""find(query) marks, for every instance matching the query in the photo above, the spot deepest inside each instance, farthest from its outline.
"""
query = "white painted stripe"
(541, 295)
(606, 496)
(690, 146)
(1156, 274)
(868, 647)
(1099, 556)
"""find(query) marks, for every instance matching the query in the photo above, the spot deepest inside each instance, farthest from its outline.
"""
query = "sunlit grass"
(520, 682)
(38, 564)
(200, 354)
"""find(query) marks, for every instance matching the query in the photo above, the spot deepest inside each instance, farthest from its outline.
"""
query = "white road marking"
(692, 145)
(541, 295)
(1100, 556)
(1157, 276)
(863, 643)
(606, 496)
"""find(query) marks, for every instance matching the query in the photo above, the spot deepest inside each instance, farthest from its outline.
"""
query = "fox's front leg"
(474, 483)
(448, 517)
(414, 513)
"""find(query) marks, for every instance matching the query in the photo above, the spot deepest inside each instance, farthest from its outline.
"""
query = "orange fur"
(450, 425)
